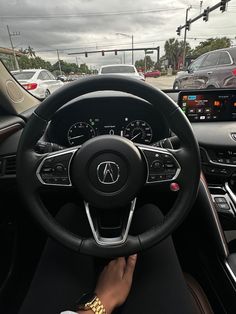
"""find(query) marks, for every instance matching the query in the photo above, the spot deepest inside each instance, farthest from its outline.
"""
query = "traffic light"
(223, 5)
(103, 53)
(188, 23)
(206, 14)
(86, 55)
(178, 31)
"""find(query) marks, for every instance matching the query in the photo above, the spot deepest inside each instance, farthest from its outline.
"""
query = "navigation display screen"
(200, 106)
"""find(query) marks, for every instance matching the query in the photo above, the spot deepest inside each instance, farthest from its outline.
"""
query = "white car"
(121, 69)
(39, 82)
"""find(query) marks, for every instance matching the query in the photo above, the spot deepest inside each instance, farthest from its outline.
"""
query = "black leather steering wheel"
(108, 171)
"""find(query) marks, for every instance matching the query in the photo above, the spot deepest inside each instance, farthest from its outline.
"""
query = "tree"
(28, 51)
(140, 64)
(66, 67)
(31, 52)
(33, 63)
(84, 68)
(209, 45)
(174, 51)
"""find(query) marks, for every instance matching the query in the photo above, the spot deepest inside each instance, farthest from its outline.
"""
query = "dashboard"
(129, 117)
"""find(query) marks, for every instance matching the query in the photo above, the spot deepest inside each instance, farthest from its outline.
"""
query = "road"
(162, 82)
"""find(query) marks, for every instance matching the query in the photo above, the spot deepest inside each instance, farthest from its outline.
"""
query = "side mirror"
(190, 70)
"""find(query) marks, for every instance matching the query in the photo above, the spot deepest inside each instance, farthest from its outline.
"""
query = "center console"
(213, 117)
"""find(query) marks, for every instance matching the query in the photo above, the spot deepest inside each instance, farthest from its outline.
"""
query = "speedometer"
(79, 133)
(138, 131)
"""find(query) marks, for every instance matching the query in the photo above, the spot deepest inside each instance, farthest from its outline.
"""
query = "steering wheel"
(109, 171)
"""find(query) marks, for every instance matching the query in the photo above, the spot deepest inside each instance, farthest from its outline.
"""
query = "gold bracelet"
(97, 307)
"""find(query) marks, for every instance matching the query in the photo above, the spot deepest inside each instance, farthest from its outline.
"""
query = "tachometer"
(79, 133)
(138, 131)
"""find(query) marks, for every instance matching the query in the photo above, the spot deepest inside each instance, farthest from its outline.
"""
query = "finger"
(130, 266)
(121, 264)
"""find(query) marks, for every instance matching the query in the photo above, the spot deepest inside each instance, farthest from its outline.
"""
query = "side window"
(210, 60)
(196, 64)
(43, 76)
(51, 76)
(224, 58)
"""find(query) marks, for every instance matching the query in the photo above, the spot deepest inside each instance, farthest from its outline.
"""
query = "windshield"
(23, 75)
(173, 45)
(117, 69)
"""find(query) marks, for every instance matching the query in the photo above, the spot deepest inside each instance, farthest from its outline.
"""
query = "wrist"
(107, 302)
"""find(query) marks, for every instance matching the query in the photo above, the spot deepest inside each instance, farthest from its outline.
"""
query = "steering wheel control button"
(162, 166)
(157, 165)
(54, 170)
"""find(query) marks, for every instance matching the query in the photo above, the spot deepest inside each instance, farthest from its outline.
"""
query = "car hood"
(181, 73)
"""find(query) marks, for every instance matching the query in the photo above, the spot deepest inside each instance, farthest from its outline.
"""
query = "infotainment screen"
(214, 105)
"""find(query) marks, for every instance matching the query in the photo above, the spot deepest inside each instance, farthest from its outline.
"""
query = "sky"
(83, 25)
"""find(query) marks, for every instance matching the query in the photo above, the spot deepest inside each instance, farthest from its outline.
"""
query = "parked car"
(155, 73)
(121, 69)
(62, 78)
(214, 69)
(39, 82)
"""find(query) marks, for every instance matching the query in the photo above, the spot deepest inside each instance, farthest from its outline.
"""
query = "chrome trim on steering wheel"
(110, 241)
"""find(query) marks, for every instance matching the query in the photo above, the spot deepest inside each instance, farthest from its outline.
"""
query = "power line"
(87, 14)
(115, 44)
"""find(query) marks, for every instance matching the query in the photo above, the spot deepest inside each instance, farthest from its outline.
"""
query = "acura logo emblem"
(108, 172)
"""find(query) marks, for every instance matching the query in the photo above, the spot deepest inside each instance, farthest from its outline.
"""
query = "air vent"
(10, 166)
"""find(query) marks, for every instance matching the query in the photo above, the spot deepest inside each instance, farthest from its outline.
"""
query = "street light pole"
(132, 43)
(145, 62)
(185, 34)
(12, 47)
(132, 49)
(59, 62)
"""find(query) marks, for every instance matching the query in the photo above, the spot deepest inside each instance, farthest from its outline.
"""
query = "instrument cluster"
(129, 117)
(137, 130)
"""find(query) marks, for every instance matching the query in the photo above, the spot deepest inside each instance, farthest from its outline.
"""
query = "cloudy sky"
(83, 25)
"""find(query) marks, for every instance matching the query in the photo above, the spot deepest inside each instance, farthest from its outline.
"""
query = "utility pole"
(185, 34)
(12, 47)
(77, 62)
(145, 61)
(132, 49)
(59, 62)
(201, 2)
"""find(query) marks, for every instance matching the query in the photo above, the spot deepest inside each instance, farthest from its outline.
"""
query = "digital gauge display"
(79, 133)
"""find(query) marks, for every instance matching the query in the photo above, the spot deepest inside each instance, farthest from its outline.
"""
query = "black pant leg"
(158, 285)
(62, 275)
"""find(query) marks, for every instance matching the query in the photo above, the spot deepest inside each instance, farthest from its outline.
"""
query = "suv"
(214, 69)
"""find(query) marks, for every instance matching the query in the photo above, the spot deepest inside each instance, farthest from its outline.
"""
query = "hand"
(115, 281)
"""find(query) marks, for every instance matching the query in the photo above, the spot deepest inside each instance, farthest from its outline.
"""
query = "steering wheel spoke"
(54, 169)
(110, 234)
(162, 166)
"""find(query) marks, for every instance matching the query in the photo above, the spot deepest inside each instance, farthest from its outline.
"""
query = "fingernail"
(134, 256)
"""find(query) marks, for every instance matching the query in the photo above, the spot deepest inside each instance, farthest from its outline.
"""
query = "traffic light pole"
(205, 15)
(185, 34)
